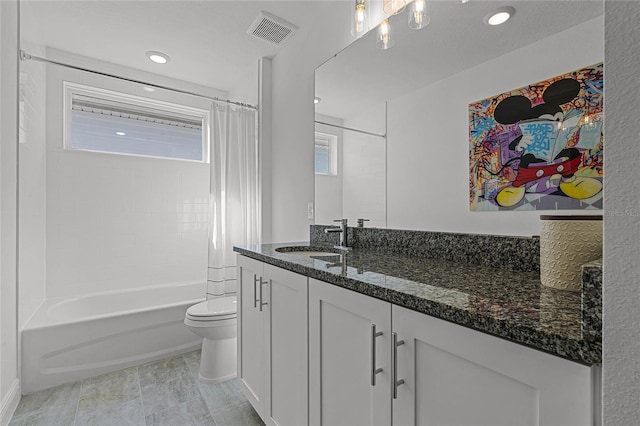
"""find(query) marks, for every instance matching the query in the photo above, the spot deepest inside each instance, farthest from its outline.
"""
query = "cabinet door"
(251, 362)
(286, 350)
(343, 353)
(457, 376)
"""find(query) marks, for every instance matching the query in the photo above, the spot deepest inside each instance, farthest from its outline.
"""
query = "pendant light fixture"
(393, 7)
(360, 19)
(384, 40)
(418, 15)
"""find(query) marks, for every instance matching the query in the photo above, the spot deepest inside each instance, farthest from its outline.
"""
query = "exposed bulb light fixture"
(418, 15)
(121, 133)
(384, 41)
(499, 16)
(317, 100)
(360, 19)
(158, 57)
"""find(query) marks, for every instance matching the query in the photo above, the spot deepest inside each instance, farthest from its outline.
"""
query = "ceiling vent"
(271, 28)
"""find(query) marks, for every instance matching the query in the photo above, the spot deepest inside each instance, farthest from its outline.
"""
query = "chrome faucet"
(342, 229)
(361, 222)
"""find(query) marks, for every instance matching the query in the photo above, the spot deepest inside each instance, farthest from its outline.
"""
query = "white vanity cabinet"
(457, 376)
(320, 354)
(349, 357)
(272, 341)
(445, 374)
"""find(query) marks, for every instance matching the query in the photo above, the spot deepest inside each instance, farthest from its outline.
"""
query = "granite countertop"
(506, 303)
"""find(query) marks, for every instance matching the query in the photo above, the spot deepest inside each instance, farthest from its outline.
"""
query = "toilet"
(215, 321)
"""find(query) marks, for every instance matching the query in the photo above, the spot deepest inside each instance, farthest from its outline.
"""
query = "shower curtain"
(234, 202)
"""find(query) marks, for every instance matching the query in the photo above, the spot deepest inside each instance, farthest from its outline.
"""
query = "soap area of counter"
(484, 282)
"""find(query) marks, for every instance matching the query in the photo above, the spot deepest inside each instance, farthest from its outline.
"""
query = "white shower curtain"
(234, 213)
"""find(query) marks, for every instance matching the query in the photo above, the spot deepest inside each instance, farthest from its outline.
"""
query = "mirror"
(417, 94)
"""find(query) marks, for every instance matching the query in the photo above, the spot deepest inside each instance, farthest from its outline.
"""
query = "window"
(325, 154)
(104, 121)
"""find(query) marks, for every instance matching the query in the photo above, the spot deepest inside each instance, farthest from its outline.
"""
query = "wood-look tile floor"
(165, 392)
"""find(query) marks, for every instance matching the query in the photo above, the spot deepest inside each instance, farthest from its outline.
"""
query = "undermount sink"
(305, 251)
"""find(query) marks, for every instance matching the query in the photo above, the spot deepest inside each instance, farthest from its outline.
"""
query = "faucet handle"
(343, 221)
(361, 222)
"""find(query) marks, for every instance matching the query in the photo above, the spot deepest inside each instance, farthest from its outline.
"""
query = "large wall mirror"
(398, 122)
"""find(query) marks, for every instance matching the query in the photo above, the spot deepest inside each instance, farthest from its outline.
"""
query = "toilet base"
(218, 360)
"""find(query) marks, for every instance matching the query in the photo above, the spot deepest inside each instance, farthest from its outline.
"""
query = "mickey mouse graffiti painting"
(539, 147)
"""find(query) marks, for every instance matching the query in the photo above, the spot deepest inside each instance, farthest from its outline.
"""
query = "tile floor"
(165, 392)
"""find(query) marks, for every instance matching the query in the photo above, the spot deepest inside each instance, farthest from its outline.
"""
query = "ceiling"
(208, 43)
(456, 39)
(206, 40)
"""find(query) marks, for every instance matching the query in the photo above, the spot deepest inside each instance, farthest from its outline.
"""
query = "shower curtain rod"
(24, 56)
(351, 129)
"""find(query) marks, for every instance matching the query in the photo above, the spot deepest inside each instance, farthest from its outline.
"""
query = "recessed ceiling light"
(148, 89)
(121, 133)
(317, 100)
(158, 57)
(499, 16)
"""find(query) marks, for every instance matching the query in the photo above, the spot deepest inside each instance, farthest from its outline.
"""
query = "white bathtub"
(73, 338)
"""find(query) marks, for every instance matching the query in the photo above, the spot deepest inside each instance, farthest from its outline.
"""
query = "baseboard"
(10, 403)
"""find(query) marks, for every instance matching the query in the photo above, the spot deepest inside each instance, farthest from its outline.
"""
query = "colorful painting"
(539, 147)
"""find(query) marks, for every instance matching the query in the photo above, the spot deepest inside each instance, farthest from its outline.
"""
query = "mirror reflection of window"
(326, 158)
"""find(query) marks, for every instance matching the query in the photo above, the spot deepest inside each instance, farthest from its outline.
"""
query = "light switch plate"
(310, 210)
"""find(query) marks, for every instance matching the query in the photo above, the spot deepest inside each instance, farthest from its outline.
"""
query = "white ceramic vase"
(566, 243)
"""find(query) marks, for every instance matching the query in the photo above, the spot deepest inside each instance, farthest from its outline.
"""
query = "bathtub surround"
(117, 221)
(157, 393)
(32, 181)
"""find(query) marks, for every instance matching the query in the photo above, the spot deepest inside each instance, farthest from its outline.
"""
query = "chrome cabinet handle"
(261, 303)
(374, 370)
(255, 291)
(394, 362)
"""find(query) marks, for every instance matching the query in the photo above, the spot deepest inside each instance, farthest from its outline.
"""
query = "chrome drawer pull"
(394, 362)
(374, 370)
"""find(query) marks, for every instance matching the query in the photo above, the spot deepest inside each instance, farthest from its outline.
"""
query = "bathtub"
(73, 338)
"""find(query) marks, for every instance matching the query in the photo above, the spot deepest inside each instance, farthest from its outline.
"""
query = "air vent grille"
(271, 28)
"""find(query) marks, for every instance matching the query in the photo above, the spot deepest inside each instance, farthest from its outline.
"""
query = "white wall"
(328, 188)
(621, 292)
(9, 383)
(428, 145)
(293, 128)
(115, 221)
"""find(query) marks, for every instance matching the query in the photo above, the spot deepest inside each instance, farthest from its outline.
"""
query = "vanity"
(418, 327)
(413, 327)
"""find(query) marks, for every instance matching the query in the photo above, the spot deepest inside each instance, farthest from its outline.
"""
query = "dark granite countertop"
(506, 303)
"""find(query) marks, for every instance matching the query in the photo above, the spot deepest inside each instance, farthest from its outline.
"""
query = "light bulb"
(499, 16)
(158, 57)
(384, 41)
(359, 23)
(418, 15)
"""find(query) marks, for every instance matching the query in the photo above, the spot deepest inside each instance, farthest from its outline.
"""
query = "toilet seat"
(218, 309)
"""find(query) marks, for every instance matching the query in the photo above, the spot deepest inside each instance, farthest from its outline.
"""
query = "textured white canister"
(566, 243)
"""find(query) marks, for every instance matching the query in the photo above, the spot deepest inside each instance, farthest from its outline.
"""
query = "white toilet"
(215, 321)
